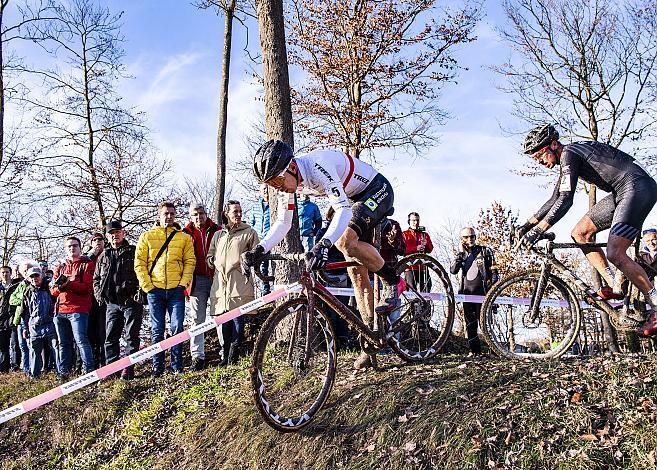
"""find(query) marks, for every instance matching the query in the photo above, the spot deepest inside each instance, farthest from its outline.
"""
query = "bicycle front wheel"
(294, 362)
(422, 325)
(512, 330)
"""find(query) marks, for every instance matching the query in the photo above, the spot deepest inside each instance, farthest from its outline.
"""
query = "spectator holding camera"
(115, 286)
(37, 320)
(476, 263)
(417, 240)
(72, 286)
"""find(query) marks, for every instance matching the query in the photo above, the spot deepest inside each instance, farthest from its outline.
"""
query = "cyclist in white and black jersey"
(633, 193)
(361, 198)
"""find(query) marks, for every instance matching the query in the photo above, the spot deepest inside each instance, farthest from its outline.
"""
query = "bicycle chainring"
(366, 346)
(625, 320)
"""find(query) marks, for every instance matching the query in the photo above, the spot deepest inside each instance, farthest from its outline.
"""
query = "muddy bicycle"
(537, 313)
(294, 357)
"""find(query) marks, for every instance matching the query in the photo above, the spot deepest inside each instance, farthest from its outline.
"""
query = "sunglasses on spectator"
(469, 236)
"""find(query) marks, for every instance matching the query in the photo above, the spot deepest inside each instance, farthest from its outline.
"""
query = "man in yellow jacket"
(165, 285)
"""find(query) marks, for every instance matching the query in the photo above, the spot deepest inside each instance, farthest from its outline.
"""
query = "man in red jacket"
(201, 229)
(72, 286)
(417, 240)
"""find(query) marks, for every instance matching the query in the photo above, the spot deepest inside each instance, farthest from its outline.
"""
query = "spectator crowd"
(72, 319)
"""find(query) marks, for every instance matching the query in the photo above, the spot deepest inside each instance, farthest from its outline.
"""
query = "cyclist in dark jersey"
(633, 193)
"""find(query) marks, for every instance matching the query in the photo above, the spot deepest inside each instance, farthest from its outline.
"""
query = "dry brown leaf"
(588, 437)
(410, 446)
(576, 398)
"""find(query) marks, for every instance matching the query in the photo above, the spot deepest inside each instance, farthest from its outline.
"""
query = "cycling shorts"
(625, 210)
(371, 206)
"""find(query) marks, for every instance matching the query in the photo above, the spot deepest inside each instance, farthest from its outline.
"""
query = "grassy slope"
(455, 413)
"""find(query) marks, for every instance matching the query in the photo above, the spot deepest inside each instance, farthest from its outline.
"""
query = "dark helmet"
(539, 137)
(271, 159)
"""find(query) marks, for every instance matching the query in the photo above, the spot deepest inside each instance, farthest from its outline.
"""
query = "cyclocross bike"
(537, 313)
(294, 357)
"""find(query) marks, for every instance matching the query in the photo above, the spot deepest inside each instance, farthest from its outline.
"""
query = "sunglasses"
(465, 237)
(276, 182)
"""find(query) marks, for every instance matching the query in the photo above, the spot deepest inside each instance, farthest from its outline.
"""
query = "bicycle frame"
(312, 288)
(550, 261)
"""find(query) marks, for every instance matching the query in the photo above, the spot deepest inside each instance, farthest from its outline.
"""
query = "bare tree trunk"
(3, 4)
(278, 109)
(223, 111)
(91, 140)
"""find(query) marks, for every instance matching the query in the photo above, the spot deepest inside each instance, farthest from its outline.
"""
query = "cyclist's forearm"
(283, 222)
(338, 224)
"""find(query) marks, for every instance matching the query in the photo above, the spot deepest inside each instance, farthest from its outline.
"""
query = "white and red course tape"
(150, 351)
(141, 355)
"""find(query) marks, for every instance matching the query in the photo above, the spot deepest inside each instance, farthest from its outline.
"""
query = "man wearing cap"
(201, 228)
(115, 286)
(37, 320)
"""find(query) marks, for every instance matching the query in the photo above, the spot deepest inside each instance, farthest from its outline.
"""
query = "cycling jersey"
(633, 191)
(345, 181)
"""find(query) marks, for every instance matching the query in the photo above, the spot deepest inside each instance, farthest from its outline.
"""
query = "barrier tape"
(143, 354)
(476, 299)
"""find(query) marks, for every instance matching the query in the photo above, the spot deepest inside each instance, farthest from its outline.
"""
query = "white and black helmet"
(271, 159)
(539, 137)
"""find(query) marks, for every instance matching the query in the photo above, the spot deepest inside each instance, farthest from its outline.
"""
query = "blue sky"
(173, 51)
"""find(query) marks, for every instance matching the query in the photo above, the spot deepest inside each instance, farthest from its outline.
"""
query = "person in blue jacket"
(37, 318)
(310, 222)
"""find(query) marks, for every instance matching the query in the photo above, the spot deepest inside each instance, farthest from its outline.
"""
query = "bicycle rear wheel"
(294, 362)
(422, 324)
(507, 325)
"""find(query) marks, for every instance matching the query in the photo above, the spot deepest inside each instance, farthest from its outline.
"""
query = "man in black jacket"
(478, 273)
(115, 285)
(7, 286)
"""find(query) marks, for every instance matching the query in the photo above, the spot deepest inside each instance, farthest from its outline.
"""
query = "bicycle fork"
(537, 296)
(299, 349)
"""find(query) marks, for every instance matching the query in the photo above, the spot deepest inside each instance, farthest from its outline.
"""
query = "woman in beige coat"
(231, 288)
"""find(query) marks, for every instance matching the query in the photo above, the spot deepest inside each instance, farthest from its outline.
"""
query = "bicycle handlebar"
(285, 257)
(551, 236)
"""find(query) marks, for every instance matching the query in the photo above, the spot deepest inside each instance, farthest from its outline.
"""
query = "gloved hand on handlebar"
(251, 259)
(318, 256)
(521, 231)
(530, 238)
